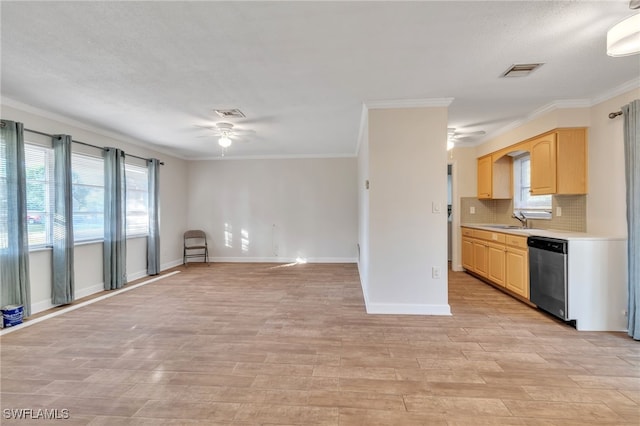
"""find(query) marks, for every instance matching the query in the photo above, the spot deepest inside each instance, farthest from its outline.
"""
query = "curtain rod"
(2, 124)
(614, 114)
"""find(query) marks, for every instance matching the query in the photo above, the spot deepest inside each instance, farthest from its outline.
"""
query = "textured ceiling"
(300, 71)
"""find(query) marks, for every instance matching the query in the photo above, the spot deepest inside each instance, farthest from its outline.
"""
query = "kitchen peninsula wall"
(574, 213)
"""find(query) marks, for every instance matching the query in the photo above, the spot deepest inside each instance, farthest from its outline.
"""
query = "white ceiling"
(300, 71)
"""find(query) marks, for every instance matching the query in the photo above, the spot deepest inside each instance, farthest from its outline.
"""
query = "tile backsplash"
(574, 213)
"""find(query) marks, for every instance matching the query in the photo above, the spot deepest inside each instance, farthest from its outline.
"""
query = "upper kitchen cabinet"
(485, 179)
(559, 162)
(495, 176)
(543, 165)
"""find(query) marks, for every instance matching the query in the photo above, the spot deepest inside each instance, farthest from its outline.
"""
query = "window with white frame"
(39, 186)
(87, 177)
(137, 181)
(522, 198)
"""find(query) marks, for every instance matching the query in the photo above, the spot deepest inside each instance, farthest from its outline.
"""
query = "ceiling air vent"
(520, 70)
(230, 113)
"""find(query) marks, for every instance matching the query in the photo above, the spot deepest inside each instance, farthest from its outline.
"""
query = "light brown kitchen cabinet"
(543, 165)
(559, 162)
(517, 265)
(572, 161)
(467, 253)
(485, 178)
(499, 258)
(517, 271)
(480, 261)
(496, 263)
(495, 177)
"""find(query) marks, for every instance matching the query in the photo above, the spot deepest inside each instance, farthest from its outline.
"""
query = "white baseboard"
(136, 275)
(170, 264)
(41, 306)
(79, 294)
(88, 291)
(407, 309)
(282, 259)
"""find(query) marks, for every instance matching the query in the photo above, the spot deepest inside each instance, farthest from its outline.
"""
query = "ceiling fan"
(454, 136)
(227, 133)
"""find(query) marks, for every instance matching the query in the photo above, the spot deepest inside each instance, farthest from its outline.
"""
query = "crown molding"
(616, 91)
(408, 103)
(12, 103)
(564, 104)
(273, 157)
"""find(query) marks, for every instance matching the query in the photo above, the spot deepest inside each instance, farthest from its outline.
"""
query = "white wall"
(407, 173)
(88, 257)
(276, 210)
(606, 201)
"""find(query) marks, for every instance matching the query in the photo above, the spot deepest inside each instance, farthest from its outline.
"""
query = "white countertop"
(551, 233)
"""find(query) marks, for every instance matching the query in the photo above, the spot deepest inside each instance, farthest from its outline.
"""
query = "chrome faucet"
(522, 219)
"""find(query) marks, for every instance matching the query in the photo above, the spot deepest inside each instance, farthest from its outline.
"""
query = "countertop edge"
(552, 233)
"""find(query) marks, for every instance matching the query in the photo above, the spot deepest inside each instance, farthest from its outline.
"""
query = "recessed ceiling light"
(233, 113)
(521, 70)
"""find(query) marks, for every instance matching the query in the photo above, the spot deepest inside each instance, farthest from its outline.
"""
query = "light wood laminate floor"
(270, 344)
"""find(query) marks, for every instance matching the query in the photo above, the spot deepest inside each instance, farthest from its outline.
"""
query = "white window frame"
(538, 210)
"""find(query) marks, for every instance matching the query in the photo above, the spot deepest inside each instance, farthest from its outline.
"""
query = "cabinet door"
(572, 170)
(543, 165)
(517, 271)
(480, 260)
(467, 254)
(485, 179)
(496, 264)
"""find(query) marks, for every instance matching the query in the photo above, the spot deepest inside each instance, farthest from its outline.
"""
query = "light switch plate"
(435, 272)
(558, 211)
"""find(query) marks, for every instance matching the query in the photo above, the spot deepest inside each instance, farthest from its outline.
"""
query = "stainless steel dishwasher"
(548, 275)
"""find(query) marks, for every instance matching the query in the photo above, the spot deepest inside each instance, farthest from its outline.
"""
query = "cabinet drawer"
(517, 241)
(495, 237)
(467, 232)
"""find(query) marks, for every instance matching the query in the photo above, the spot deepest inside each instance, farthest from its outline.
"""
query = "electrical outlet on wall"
(472, 210)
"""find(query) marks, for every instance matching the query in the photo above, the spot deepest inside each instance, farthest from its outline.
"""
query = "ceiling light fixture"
(224, 141)
(623, 39)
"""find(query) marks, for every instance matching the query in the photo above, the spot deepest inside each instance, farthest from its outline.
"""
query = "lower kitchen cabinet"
(496, 263)
(499, 258)
(517, 271)
(467, 253)
(480, 254)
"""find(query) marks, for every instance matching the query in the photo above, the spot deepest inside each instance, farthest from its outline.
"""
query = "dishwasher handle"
(548, 244)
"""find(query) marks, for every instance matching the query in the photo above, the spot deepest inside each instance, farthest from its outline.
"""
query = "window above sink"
(532, 206)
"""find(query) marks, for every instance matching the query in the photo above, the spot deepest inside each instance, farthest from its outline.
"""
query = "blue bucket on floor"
(12, 315)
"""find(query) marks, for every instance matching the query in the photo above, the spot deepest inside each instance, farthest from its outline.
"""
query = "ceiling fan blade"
(469, 134)
(242, 132)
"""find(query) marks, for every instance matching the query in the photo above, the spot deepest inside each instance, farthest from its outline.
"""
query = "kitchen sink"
(505, 226)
